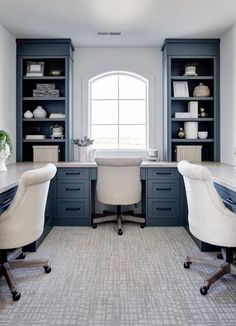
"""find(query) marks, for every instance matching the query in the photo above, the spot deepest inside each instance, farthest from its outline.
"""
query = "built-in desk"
(72, 192)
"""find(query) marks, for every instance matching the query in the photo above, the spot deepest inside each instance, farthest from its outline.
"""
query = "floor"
(101, 279)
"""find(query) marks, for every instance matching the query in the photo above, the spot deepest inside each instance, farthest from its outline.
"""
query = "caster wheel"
(142, 225)
(16, 296)
(187, 264)
(219, 255)
(47, 269)
(21, 256)
(120, 232)
(204, 289)
(94, 226)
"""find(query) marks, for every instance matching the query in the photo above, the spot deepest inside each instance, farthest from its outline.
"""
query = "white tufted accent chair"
(118, 183)
(23, 222)
(209, 220)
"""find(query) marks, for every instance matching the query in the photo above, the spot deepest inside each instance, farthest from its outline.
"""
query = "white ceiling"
(142, 22)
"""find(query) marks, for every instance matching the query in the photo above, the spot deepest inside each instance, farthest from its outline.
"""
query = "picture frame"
(180, 89)
(35, 69)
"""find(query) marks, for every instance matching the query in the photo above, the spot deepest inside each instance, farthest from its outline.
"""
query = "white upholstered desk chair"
(209, 220)
(23, 221)
(118, 183)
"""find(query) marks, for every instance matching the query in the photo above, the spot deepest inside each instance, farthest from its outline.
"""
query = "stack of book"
(45, 90)
(36, 137)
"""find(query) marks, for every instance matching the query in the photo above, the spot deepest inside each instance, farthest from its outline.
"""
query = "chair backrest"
(23, 222)
(118, 180)
(209, 220)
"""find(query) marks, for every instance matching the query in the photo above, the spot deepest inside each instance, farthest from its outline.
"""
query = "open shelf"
(51, 92)
(43, 119)
(178, 54)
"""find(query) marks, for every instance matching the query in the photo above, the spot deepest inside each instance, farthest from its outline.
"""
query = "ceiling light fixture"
(109, 33)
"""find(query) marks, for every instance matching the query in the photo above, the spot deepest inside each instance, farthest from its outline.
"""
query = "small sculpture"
(202, 113)
(181, 133)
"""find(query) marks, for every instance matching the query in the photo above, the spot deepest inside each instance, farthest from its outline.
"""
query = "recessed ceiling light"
(109, 33)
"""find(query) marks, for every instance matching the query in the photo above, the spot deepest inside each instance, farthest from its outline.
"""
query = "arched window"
(118, 110)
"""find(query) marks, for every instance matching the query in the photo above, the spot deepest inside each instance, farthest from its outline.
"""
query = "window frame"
(146, 99)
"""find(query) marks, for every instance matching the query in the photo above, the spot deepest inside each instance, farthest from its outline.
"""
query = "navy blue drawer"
(158, 189)
(78, 209)
(163, 173)
(72, 189)
(159, 209)
(6, 199)
(73, 174)
(228, 196)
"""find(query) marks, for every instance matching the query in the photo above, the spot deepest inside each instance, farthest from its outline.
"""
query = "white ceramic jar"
(191, 130)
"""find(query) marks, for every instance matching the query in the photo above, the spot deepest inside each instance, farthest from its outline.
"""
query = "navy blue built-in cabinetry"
(205, 55)
(163, 197)
(55, 57)
(73, 195)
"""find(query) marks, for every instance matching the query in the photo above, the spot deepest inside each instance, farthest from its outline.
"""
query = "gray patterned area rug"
(101, 279)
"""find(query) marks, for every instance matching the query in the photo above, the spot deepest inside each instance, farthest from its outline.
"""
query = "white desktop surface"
(223, 174)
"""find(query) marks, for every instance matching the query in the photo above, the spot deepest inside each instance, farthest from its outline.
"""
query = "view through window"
(118, 111)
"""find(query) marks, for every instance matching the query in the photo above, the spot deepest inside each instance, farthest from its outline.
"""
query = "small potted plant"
(5, 149)
(190, 69)
(83, 144)
(56, 131)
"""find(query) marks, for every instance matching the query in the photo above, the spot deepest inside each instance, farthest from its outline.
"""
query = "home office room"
(117, 162)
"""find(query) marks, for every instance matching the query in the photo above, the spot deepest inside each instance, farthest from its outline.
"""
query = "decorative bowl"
(202, 134)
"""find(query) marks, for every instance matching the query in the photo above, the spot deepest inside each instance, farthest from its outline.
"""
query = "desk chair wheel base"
(94, 225)
(187, 264)
(120, 232)
(204, 289)
(219, 255)
(15, 296)
(142, 225)
(21, 256)
(47, 269)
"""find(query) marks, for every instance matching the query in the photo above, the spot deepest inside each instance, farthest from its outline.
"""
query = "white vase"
(191, 130)
(4, 153)
(84, 153)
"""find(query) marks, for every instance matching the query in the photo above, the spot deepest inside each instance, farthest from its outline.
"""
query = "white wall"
(143, 61)
(228, 96)
(8, 84)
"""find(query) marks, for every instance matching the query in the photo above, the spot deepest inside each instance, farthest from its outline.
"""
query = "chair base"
(225, 266)
(119, 218)
(15, 260)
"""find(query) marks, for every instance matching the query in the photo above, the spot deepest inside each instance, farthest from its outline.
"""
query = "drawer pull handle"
(72, 189)
(6, 202)
(72, 173)
(168, 189)
(72, 208)
(163, 173)
(229, 200)
(163, 209)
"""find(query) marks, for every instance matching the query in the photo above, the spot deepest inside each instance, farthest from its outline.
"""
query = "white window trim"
(128, 73)
(153, 132)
